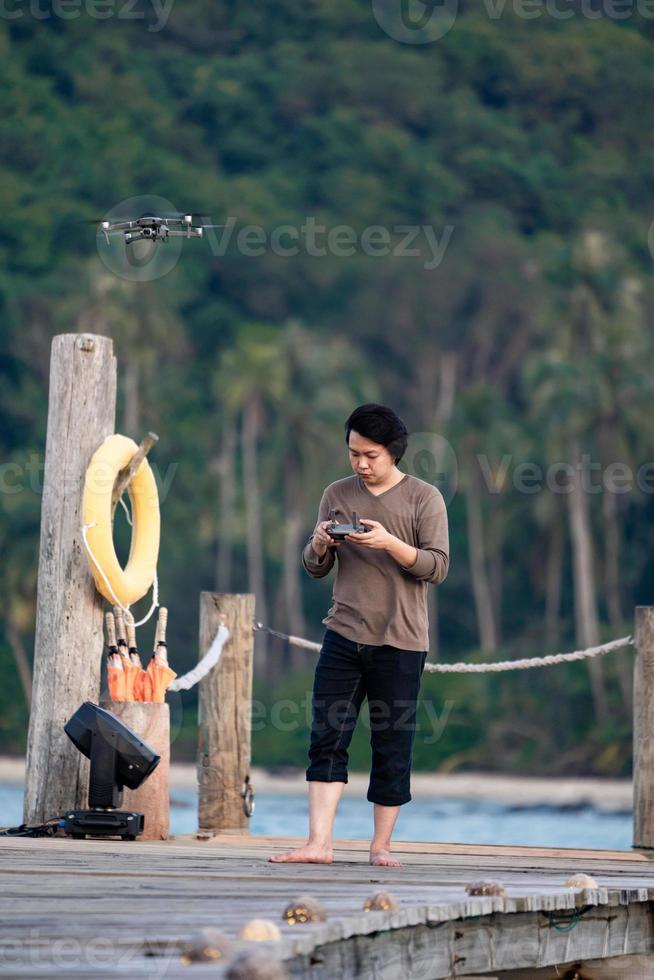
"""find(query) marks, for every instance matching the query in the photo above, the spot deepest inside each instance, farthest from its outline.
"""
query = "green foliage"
(528, 138)
(14, 714)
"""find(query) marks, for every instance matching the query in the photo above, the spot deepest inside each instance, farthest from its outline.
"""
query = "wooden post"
(224, 714)
(125, 475)
(644, 728)
(68, 640)
(151, 722)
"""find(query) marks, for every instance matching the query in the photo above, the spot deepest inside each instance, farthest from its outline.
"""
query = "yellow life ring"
(132, 582)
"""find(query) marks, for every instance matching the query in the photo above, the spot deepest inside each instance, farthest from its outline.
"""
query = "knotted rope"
(482, 668)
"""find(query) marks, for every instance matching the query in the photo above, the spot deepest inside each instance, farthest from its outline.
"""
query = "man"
(376, 640)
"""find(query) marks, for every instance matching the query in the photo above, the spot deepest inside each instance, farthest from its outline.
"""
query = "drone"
(153, 228)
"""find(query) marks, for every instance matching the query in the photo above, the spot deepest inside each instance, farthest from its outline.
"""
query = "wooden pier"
(108, 908)
(105, 908)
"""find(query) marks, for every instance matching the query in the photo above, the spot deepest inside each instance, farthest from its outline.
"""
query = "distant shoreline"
(612, 795)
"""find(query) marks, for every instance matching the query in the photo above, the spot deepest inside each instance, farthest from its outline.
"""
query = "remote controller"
(339, 531)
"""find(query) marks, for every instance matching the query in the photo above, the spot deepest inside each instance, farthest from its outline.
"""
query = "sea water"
(446, 820)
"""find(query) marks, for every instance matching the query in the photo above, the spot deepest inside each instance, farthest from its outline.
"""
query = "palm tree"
(575, 389)
(252, 379)
(146, 332)
(623, 366)
(461, 330)
(483, 433)
(325, 380)
(224, 467)
(18, 583)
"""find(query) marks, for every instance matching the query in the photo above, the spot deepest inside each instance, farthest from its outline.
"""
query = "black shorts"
(346, 673)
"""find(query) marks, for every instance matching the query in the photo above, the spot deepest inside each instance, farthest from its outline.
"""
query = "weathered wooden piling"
(68, 641)
(643, 728)
(224, 715)
(151, 722)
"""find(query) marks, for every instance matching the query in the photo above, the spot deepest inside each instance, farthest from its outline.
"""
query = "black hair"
(379, 424)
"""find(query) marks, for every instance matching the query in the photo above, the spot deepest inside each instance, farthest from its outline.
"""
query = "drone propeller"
(186, 218)
(115, 223)
(110, 221)
(120, 222)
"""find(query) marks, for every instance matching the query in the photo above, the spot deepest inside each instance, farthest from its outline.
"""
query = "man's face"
(369, 460)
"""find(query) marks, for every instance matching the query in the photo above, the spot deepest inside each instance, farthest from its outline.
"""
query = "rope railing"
(526, 662)
(295, 641)
(480, 668)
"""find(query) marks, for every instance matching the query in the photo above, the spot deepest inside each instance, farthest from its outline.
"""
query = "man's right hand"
(321, 540)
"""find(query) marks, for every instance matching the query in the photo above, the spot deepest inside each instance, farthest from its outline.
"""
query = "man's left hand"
(378, 537)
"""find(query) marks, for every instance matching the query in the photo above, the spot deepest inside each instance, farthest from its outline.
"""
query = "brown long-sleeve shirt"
(375, 599)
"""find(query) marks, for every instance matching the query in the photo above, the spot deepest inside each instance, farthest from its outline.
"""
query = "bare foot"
(382, 858)
(308, 854)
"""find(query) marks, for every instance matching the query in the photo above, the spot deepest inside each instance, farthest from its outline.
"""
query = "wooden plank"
(643, 728)
(58, 891)
(614, 968)
(68, 640)
(427, 848)
(353, 854)
(128, 472)
(464, 947)
(224, 714)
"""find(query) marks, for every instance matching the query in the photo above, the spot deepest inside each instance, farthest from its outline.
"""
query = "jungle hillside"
(459, 229)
